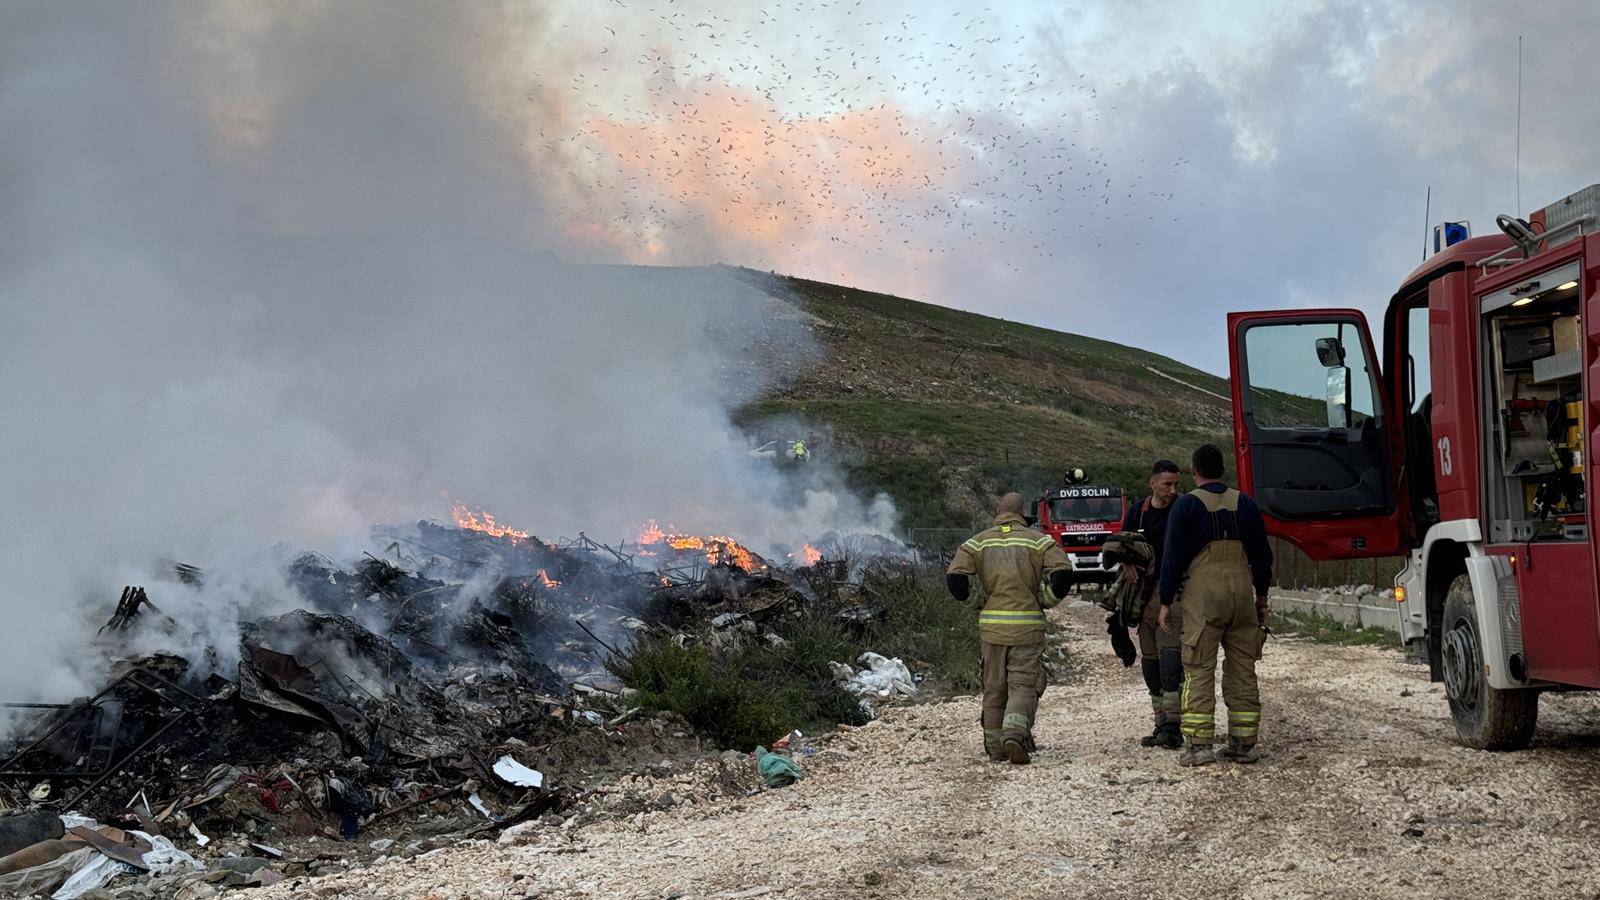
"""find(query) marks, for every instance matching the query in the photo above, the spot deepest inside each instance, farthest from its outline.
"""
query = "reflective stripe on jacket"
(1011, 561)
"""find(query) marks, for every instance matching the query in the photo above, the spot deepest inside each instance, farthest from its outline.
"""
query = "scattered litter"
(778, 769)
(477, 804)
(275, 853)
(380, 845)
(517, 773)
(882, 678)
(859, 615)
(199, 838)
(44, 878)
(95, 872)
(164, 856)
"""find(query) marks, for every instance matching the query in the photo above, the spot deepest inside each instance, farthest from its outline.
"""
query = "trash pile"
(408, 699)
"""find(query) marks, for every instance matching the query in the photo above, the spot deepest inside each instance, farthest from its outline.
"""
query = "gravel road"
(1363, 794)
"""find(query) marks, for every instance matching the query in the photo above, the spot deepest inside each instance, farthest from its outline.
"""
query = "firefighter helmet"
(1076, 475)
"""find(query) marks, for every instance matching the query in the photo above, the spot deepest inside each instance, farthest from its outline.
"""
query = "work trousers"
(1219, 611)
(1161, 662)
(1013, 680)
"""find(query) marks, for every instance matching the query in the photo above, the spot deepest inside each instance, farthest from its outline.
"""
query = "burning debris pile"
(408, 690)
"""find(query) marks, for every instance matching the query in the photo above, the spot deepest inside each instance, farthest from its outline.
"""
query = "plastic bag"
(165, 856)
(95, 874)
(882, 678)
(777, 769)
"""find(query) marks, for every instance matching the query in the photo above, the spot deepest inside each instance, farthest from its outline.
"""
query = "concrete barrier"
(1367, 611)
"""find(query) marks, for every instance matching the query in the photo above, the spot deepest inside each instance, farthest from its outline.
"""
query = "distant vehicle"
(1080, 517)
(1463, 448)
(781, 451)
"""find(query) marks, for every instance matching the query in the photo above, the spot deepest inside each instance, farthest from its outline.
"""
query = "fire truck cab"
(1080, 517)
(1458, 442)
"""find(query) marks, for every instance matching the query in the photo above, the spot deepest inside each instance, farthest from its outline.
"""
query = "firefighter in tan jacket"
(1011, 562)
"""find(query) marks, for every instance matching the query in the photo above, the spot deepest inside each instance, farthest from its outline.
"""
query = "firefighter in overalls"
(1218, 559)
(1011, 562)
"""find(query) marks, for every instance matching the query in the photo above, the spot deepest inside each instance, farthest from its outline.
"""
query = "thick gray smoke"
(272, 273)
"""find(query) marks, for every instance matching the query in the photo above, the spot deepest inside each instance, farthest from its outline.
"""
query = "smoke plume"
(275, 273)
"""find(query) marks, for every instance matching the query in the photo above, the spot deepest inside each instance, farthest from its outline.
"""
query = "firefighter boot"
(1014, 739)
(1197, 755)
(1154, 738)
(1238, 751)
(993, 745)
(1167, 736)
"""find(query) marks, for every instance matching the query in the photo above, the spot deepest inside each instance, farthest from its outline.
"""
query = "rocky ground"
(1364, 794)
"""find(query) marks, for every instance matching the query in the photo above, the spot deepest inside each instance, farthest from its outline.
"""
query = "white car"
(777, 450)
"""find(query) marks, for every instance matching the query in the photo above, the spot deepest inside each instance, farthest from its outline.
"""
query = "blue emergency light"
(1448, 233)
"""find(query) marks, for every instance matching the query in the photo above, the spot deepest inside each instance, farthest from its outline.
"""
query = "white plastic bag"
(165, 856)
(882, 678)
(97, 873)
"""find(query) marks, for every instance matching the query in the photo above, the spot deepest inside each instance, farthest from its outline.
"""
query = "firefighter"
(1159, 658)
(1011, 562)
(1217, 556)
(800, 452)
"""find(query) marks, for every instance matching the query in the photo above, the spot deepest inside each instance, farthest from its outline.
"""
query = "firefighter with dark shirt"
(1216, 555)
(1159, 659)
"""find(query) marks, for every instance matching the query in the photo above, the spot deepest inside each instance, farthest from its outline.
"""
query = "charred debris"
(423, 685)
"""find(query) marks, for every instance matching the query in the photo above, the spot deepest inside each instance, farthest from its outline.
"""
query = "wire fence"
(1293, 570)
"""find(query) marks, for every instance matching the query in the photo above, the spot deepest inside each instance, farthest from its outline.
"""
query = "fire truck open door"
(1312, 432)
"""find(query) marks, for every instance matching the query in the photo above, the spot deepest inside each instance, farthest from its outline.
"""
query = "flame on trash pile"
(717, 548)
(810, 554)
(546, 580)
(482, 521)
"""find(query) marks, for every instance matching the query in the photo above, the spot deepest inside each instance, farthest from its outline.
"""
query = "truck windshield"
(1085, 509)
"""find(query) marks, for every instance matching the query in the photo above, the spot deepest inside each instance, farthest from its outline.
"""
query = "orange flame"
(651, 533)
(717, 548)
(482, 521)
(811, 554)
(546, 580)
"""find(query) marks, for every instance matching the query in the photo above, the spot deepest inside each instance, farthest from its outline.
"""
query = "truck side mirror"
(1338, 396)
(1330, 352)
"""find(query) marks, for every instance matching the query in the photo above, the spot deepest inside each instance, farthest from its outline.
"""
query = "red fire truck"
(1081, 517)
(1462, 447)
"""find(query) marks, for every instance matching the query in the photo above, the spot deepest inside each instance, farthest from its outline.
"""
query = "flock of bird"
(818, 130)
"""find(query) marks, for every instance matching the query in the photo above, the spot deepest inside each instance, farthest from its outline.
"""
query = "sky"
(1126, 170)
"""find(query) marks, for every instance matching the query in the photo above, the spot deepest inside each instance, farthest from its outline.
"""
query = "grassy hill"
(943, 408)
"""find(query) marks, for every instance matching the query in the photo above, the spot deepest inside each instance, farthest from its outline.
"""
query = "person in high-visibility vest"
(1011, 562)
(800, 451)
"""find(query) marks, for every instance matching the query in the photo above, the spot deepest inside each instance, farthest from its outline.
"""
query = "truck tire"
(1486, 718)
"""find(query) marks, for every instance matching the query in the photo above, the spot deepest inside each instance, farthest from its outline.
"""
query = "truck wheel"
(1486, 718)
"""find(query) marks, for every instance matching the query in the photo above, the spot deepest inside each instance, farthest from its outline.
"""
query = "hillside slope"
(943, 407)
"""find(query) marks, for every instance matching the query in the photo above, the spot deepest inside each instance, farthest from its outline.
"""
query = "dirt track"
(1363, 795)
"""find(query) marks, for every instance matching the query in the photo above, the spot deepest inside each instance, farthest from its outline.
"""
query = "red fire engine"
(1463, 448)
(1080, 517)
